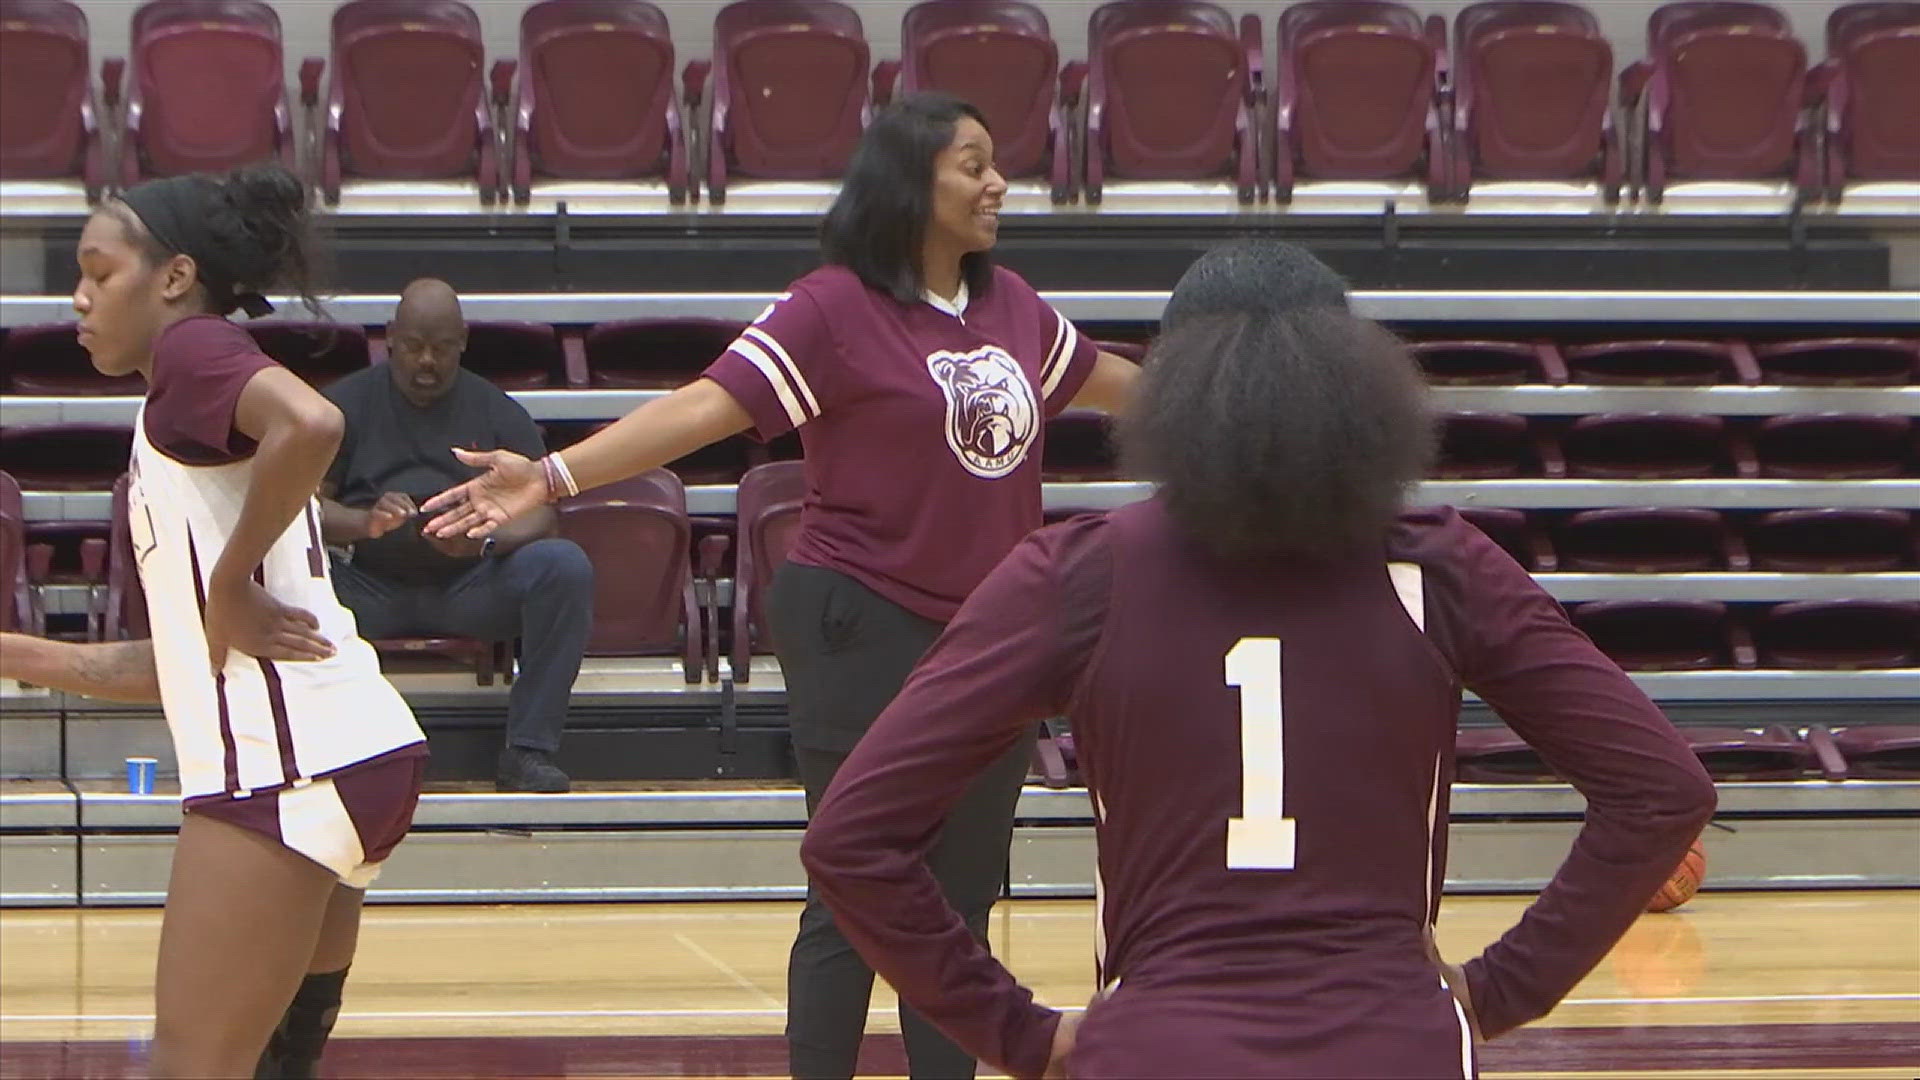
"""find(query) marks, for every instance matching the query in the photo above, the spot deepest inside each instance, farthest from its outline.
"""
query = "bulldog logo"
(991, 412)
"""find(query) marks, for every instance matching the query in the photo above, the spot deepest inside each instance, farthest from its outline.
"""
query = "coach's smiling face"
(967, 191)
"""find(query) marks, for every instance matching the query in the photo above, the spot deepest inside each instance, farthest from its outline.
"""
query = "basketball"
(1683, 883)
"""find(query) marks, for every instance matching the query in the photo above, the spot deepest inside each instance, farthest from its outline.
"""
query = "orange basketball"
(1684, 882)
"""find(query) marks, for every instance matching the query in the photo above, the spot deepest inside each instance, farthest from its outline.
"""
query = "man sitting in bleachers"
(523, 581)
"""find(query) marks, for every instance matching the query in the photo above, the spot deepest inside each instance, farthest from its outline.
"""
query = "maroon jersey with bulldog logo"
(922, 424)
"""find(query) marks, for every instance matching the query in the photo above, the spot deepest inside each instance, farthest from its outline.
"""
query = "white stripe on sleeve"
(1065, 337)
(776, 378)
(787, 365)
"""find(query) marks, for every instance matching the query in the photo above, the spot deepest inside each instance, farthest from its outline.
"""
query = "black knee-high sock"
(293, 1053)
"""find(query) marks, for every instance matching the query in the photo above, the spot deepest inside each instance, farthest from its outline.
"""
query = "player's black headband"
(1266, 276)
(180, 212)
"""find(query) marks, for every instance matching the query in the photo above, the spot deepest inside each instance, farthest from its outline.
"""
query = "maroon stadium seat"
(1158, 106)
(1840, 362)
(516, 355)
(125, 617)
(1723, 92)
(206, 89)
(66, 457)
(405, 99)
(48, 360)
(317, 352)
(1663, 363)
(1881, 751)
(655, 354)
(1835, 447)
(636, 535)
(1495, 755)
(1489, 446)
(1000, 56)
(1654, 447)
(1077, 447)
(1516, 534)
(1840, 634)
(768, 510)
(1870, 80)
(595, 97)
(790, 91)
(1356, 95)
(1733, 754)
(1653, 540)
(1666, 635)
(1489, 363)
(1533, 95)
(18, 609)
(1834, 541)
(50, 124)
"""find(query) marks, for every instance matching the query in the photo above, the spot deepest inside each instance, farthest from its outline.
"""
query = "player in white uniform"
(300, 764)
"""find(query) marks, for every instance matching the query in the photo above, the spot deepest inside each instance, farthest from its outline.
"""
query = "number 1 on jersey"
(1262, 837)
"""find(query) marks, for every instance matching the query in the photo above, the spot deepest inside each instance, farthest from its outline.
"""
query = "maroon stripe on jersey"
(316, 558)
(282, 729)
(230, 753)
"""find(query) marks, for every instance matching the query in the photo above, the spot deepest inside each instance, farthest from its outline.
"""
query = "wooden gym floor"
(1772, 984)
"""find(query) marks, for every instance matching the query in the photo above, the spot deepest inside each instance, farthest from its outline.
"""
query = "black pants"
(541, 593)
(845, 652)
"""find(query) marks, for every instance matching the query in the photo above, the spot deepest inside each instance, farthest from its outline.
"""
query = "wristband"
(564, 474)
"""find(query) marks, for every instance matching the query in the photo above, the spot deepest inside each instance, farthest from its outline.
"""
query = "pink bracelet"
(559, 480)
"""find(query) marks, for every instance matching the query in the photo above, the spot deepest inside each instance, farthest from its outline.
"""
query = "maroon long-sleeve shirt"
(1267, 747)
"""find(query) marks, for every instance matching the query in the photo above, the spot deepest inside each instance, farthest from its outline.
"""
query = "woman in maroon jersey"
(1262, 664)
(920, 377)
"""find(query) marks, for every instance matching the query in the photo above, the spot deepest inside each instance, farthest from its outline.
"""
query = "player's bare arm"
(1109, 386)
(297, 432)
(660, 431)
(112, 670)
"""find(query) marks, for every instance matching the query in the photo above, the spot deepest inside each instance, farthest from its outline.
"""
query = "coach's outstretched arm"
(663, 430)
(111, 670)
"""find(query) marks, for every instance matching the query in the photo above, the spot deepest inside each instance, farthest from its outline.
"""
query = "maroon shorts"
(348, 821)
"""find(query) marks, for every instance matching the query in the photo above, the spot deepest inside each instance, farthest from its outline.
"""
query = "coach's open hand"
(246, 617)
(511, 486)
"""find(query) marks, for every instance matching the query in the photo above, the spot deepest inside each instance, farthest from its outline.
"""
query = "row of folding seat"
(665, 353)
(1170, 90)
(1678, 540)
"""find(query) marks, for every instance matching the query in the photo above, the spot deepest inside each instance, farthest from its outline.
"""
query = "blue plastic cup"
(140, 772)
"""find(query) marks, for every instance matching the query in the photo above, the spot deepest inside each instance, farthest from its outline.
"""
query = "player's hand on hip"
(247, 619)
(511, 486)
(388, 513)
(1063, 1038)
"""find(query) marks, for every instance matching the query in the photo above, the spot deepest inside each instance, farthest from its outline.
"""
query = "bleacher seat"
(595, 97)
(1493, 446)
(1533, 96)
(1665, 446)
(1736, 754)
(1881, 751)
(1489, 363)
(405, 99)
(49, 360)
(522, 356)
(1000, 56)
(1666, 635)
(1835, 447)
(18, 608)
(1077, 447)
(1356, 96)
(790, 91)
(655, 354)
(636, 534)
(1834, 541)
(768, 512)
(51, 127)
(1662, 363)
(1840, 634)
(1652, 540)
(317, 352)
(1869, 81)
(1840, 362)
(1722, 96)
(124, 617)
(1170, 96)
(206, 89)
(66, 456)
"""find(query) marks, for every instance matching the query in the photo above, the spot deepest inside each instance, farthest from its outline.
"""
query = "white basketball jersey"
(257, 725)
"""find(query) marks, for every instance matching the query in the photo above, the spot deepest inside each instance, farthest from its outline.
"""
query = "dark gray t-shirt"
(393, 445)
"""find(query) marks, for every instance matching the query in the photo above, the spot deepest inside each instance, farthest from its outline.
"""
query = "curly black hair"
(1274, 421)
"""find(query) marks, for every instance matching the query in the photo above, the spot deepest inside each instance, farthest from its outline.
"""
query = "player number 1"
(1262, 838)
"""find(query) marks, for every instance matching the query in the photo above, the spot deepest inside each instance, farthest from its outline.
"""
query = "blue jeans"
(541, 593)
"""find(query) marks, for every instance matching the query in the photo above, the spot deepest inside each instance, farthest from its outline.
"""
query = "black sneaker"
(522, 769)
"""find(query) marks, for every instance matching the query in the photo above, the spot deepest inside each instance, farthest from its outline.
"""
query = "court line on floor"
(565, 1014)
(728, 970)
